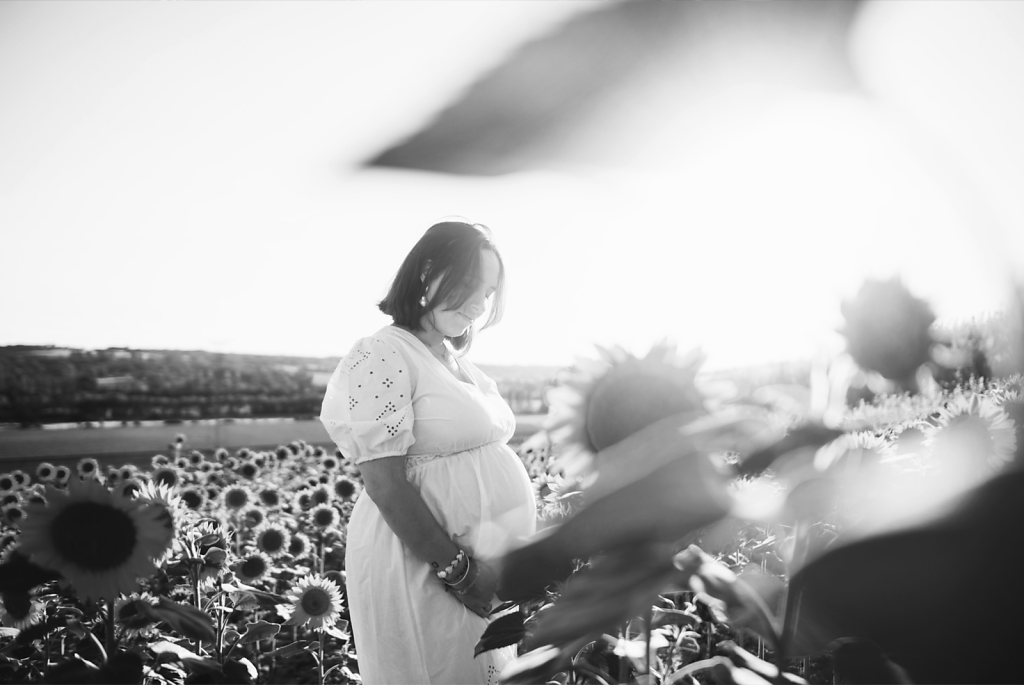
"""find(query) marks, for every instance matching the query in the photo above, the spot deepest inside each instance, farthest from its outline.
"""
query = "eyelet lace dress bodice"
(390, 397)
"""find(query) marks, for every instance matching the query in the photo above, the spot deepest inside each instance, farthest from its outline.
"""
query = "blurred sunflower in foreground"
(971, 432)
(99, 541)
(608, 399)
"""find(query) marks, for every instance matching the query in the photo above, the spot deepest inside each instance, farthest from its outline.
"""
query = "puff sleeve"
(367, 409)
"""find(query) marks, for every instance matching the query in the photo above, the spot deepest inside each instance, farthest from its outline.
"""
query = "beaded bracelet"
(453, 583)
(472, 582)
(452, 566)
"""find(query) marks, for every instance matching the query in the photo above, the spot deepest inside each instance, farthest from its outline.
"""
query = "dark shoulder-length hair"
(450, 249)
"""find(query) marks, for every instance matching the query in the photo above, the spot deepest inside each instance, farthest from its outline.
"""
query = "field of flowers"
(689, 534)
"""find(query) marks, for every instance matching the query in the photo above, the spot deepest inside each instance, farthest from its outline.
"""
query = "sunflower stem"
(198, 602)
(320, 657)
(110, 630)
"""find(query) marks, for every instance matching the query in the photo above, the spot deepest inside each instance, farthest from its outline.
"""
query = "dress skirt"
(407, 628)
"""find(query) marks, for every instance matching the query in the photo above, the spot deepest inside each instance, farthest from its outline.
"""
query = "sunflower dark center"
(323, 517)
(270, 498)
(345, 488)
(316, 602)
(254, 567)
(296, 546)
(272, 540)
(94, 536)
(236, 498)
(166, 476)
(321, 496)
(193, 500)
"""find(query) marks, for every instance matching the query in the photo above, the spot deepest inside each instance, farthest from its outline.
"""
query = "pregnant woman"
(444, 491)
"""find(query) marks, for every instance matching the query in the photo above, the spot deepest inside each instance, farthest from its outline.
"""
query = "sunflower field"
(690, 533)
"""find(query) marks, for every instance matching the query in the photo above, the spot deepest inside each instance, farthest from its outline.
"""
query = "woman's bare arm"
(408, 516)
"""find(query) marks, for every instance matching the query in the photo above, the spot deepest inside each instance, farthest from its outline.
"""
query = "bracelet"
(472, 582)
(465, 573)
(452, 566)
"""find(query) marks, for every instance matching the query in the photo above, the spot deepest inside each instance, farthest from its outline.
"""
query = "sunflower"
(299, 545)
(272, 539)
(61, 474)
(181, 463)
(21, 478)
(88, 468)
(270, 497)
(303, 500)
(167, 476)
(211, 542)
(100, 542)
(212, 492)
(206, 467)
(324, 516)
(12, 514)
(195, 458)
(345, 488)
(972, 431)
(220, 454)
(253, 516)
(127, 471)
(7, 483)
(248, 469)
(133, 621)
(113, 476)
(316, 602)
(232, 463)
(129, 488)
(45, 472)
(194, 497)
(252, 566)
(330, 463)
(20, 610)
(235, 497)
(243, 453)
(887, 329)
(606, 400)
(320, 494)
(159, 461)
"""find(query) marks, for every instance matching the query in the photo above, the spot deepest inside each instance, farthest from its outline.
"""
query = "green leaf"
(240, 671)
(297, 647)
(811, 435)
(261, 630)
(672, 617)
(897, 589)
(680, 497)
(189, 621)
(191, 660)
(337, 631)
(534, 666)
(501, 632)
(613, 589)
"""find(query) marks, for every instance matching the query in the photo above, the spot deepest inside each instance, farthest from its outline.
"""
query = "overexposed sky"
(183, 175)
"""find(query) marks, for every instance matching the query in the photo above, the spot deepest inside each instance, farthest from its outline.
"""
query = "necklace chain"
(445, 354)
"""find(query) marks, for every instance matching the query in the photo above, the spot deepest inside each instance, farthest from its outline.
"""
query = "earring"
(423, 301)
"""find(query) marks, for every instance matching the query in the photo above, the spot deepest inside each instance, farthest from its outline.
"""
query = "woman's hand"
(478, 593)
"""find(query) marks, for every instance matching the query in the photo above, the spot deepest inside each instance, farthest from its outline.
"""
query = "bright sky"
(182, 175)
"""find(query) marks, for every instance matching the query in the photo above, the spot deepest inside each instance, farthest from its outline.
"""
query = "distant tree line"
(40, 385)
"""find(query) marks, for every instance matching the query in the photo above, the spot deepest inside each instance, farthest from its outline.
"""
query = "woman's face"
(454, 322)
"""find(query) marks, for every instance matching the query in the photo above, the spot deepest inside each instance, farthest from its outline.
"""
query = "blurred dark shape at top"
(554, 99)
(887, 330)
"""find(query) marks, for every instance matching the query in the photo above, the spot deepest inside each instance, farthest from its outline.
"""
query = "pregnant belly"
(482, 497)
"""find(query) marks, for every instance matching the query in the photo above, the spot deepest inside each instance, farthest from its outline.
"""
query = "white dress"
(390, 396)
